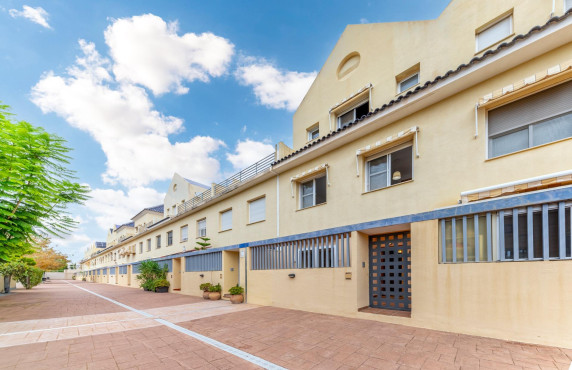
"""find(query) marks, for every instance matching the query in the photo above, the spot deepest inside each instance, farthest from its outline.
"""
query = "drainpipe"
(553, 8)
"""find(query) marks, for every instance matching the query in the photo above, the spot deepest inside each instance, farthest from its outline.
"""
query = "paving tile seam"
(224, 347)
(69, 326)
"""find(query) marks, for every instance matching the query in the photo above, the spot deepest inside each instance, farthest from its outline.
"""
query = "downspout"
(246, 276)
(553, 8)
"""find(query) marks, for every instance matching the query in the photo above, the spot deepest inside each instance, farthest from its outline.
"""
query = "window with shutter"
(535, 120)
(257, 210)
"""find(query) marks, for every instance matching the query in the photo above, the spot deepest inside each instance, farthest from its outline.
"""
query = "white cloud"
(363, 20)
(275, 88)
(148, 51)
(248, 152)
(121, 118)
(110, 207)
(73, 238)
(243, 130)
(37, 15)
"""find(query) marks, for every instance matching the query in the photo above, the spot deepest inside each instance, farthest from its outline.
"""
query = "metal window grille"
(322, 252)
(204, 262)
(168, 262)
(541, 232)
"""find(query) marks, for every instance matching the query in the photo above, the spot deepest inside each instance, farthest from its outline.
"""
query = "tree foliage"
(36, 187)
(47, 258)
(29, 276)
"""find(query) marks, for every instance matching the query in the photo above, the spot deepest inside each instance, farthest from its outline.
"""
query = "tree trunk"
(7, 284)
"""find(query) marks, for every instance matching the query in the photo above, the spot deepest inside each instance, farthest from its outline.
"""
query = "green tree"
(36, 187)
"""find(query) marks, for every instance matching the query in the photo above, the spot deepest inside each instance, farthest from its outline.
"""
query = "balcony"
(229, 184)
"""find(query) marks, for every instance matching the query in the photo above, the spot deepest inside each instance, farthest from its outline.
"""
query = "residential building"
(428, 184)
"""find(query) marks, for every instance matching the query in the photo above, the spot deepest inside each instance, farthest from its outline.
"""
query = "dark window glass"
(568, 240)
(321, 190)
(553, 250)
(401, 165)
(522, 236)
(170, 238)
(508, 235)
(362, 110)
(537, 234)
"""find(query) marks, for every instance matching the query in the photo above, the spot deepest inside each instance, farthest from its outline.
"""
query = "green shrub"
(161, 283)
(28, 275)
(205, 287)
(149, 272)
(236, 290)
(215, 288)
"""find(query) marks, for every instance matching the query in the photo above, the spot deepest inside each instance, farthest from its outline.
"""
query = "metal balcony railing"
(229, 184)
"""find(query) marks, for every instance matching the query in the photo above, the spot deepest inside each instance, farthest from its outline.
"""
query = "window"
(140, 247)
(184, 233)
(313, 192)
(351, 115)
(257, 210)
(528, 233)
(567, 5)
(169, 238)
(313, 133)
(158, 241)
(389, 169)
(226, 220)
(494, 33)
(408, 83)
(148, 245)
(535, 120)
(202, 228)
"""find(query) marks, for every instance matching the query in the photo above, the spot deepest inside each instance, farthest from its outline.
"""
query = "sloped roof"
(436, 80)
(196, 183)
(159, 209)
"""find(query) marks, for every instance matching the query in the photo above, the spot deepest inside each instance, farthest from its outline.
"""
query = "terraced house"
(429, 184)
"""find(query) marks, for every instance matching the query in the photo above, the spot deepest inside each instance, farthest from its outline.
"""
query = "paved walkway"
(99, 326)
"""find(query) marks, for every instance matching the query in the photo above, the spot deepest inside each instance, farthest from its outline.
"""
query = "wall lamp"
(291, 276)
(202, 275)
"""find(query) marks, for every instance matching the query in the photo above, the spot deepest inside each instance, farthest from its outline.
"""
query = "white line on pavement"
(224, 347)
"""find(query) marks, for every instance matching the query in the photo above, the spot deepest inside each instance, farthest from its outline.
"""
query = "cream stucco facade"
(323, 198)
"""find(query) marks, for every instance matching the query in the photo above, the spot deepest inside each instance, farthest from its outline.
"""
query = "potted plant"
(236, 294)
(214, 292)
(161, 286)
(205, 288)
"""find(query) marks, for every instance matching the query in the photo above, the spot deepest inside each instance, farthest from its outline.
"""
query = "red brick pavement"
(303, 340)
(57, 300)
(137, 298)
(153, 348)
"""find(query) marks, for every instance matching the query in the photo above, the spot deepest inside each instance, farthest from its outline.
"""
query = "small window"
(148, 245)
(408, 83)
(535, 120)
(389, 169)
(158, 241)
(184, 233)
(494, 33)
(202, 228)
(313, 133)
(169, 238)
(226, 220)
(257, 210)
(568, 5)
(313, 192)
(351, 115)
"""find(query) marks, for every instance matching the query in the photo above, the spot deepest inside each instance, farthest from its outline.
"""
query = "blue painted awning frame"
(518, 200)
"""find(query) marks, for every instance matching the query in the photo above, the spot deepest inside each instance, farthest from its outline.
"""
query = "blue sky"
(141, 89)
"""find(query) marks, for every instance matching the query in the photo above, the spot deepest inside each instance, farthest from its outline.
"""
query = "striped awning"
(309, 172)
(378, 145)
(528, 81)
(387, 143)
(366, 87)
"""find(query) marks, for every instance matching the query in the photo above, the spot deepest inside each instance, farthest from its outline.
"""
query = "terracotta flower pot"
(214, 296)
(236, 298)
(206, 295)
